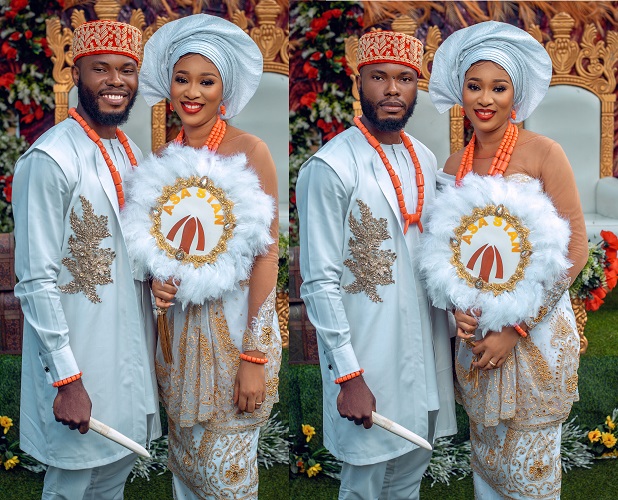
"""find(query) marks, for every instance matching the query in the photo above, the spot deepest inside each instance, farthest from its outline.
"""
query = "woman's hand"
(164, 292)
(250, 384)
(466, 324)
(495, 348)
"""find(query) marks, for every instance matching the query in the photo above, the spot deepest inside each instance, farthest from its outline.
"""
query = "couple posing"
(89, 338)
(361, 201)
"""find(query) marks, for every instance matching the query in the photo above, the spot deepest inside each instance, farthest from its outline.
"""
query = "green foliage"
(283, 275)
(11, 148)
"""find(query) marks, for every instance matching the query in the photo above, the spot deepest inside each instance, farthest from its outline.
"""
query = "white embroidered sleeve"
(322, 203)
(40, 202)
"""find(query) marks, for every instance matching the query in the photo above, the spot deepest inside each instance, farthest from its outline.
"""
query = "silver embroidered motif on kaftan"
(369, 265)
(91, 265)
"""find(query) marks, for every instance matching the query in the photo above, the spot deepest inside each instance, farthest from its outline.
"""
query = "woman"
(528, 373)
(222, 380)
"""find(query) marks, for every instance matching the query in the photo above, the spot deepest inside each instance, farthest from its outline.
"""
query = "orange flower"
(594, 435)
(608, 439)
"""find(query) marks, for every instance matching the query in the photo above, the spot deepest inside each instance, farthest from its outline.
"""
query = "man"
(88, 336)
(360, 222)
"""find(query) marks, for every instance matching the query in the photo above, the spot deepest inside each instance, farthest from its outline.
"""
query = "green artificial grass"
(25, 485)
(305, 407)
(602, 328)
(10, 375)
(596, 483)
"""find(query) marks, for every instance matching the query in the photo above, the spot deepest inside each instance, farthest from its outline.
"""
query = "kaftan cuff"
(260, 335)
(59, 364)
(552, 296)
(342, 360)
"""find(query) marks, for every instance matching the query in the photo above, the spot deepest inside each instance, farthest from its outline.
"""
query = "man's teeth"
(114, 97)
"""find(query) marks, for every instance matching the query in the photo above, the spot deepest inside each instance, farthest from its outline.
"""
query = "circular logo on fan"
(193, 220)
(491, 249)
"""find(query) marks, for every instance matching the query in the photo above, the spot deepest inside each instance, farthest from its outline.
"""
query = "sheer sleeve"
(559, 184)
(263, 278)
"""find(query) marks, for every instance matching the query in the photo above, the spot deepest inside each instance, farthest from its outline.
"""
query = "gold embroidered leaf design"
(91, 265)
(371, 266)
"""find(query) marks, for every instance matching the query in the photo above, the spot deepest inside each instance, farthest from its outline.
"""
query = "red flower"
(8, 188)
(348, 70)
(336, 13)
(599, 292)
(328, 53)
(293, 198)
(28, 34)
(308, 99)
(336, 128)
(311, 35)
(596, 300)
(310, 71)
(593, 304)
(319, 23)
(38, 112)
(16, 35)
(7, 79)
(46, 48)
(10, 14)
(611, 239)
(611, 277)
(21, 107)
(323, 125)
(8, 51)
(17, 5)
(316, 56)
(360, 21)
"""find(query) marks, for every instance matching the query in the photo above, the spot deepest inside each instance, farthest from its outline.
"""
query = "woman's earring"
(222, 109)
(513, 115)
(171, 107)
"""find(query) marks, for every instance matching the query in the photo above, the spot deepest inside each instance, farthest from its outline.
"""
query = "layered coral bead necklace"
(94, 137)
(214, 138)
(501, 158)
(408, 218)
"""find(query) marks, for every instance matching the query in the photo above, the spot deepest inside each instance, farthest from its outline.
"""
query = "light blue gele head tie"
(227, 46)
(522, 57)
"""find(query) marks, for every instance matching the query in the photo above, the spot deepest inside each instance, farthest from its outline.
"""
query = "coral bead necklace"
(501, 158)
(408, 218)
(214, 138)
(94, 137)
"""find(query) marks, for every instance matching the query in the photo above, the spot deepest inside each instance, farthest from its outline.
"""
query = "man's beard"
(386, 124)
(88, 99)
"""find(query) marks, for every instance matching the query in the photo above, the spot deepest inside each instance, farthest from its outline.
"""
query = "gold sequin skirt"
(213, 465)
(515, 464)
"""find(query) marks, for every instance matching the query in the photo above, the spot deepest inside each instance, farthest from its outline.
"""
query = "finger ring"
(492, 363)
(258, 404)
